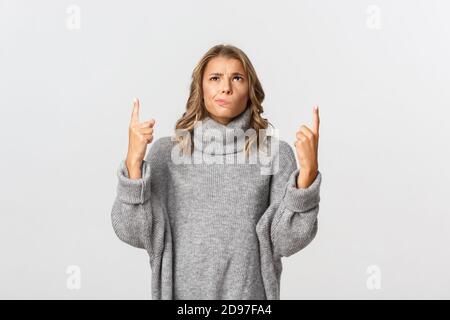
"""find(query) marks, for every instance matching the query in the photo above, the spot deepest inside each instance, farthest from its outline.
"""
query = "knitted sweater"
(215, 229)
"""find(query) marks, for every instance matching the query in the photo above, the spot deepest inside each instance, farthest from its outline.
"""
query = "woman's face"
(225, 88)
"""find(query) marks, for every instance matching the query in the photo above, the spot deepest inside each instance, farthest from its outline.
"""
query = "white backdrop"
(379, 70)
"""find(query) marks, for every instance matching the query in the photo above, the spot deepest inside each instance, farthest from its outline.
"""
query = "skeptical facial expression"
(225, 88)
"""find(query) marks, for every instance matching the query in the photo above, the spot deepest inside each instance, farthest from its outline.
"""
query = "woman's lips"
(221, 101)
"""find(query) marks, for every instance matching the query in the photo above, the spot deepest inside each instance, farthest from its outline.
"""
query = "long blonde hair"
(195, 107)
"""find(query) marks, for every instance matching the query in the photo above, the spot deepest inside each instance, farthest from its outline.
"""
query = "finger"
(300, 136)
(148, 137)
(146, 130)
(316, 120)
(147, 124)
(306, 131)
(135, 114)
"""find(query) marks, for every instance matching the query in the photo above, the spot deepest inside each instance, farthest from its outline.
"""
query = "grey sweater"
(215, 230)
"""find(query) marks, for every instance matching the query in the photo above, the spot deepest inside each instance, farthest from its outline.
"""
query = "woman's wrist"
(134, 169)
(306, 178)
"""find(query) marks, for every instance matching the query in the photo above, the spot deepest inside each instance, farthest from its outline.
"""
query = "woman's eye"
(215, 78)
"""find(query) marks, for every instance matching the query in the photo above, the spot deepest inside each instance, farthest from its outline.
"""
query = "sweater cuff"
(133, 191)
(302, 200)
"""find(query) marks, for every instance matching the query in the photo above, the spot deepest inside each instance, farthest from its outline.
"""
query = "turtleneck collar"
(207, 134)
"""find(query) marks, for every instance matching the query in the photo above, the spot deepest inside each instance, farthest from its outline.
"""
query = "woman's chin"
(223, 111)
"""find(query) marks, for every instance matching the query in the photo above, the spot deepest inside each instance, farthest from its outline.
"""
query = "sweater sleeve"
(131, 213)
(290, 223)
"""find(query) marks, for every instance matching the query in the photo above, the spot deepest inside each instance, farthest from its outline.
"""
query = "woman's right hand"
(140, 134)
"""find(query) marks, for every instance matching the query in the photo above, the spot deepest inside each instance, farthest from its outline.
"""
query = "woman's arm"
(131, 214)
(290, 222)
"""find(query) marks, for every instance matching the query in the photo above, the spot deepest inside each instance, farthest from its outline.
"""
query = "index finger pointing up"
(135, 114)
(316, 120)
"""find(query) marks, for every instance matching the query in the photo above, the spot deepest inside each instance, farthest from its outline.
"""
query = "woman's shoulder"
(160, 149)
(165, 142)
(282, 148)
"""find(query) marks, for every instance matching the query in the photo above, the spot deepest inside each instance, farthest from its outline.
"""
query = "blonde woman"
(217, 228)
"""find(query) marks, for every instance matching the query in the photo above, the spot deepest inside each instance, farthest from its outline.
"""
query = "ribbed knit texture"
(215, 230)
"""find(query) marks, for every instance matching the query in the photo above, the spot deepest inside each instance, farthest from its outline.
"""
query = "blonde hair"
(195, 107)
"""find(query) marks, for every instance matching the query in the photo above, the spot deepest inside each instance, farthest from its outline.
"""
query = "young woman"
(217, 229)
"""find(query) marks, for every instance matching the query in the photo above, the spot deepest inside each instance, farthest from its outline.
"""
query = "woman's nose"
(226, 88)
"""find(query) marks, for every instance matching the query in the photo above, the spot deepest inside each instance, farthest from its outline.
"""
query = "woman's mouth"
(221, 101)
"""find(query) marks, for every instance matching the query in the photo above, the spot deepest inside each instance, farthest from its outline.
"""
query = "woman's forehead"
(225, 65)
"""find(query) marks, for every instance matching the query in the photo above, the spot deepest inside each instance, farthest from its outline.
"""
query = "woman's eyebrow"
(221, 74)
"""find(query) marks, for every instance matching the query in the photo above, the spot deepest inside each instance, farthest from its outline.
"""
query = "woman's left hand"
(307, 146)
